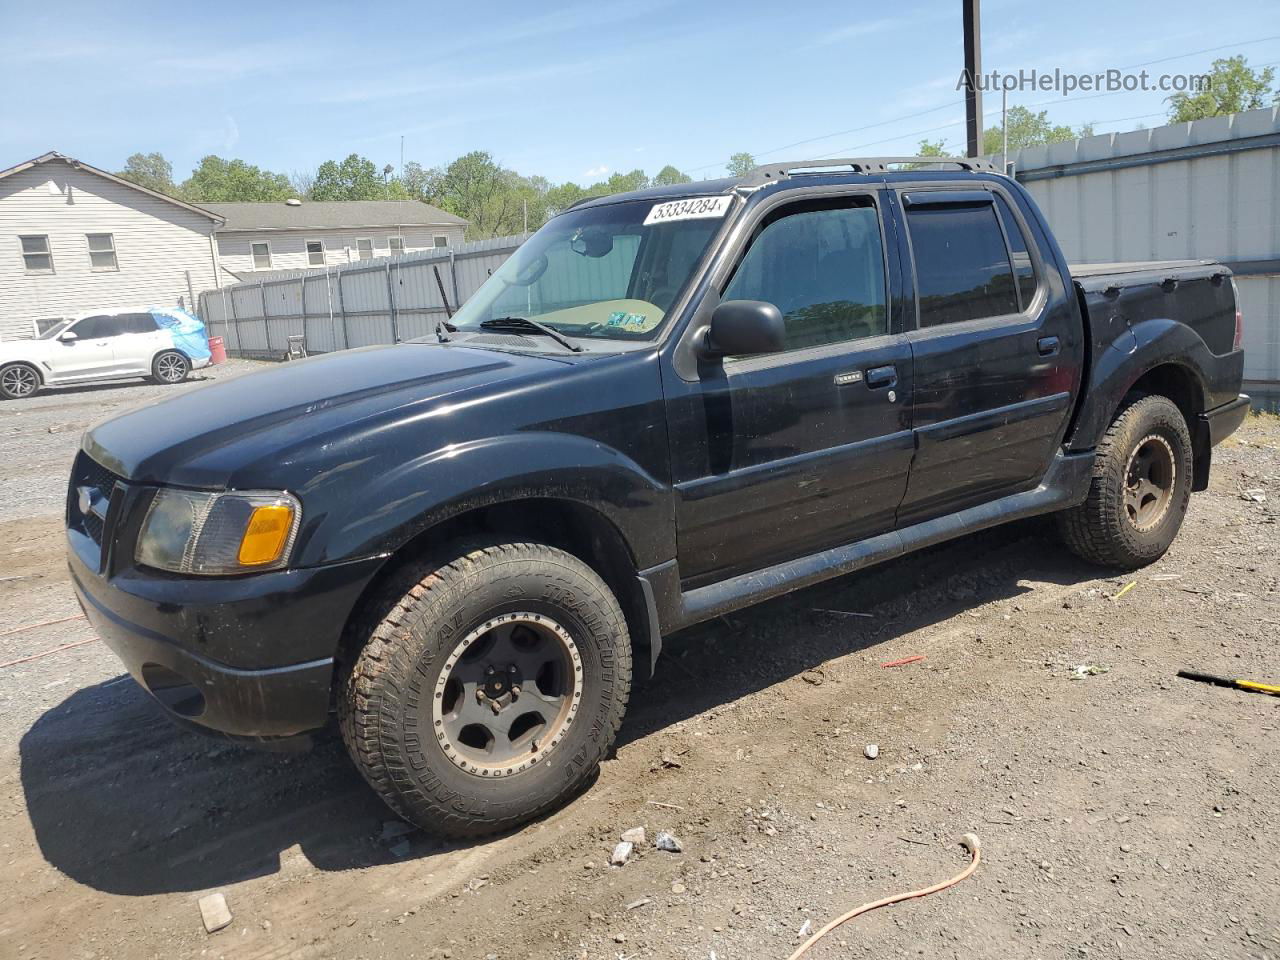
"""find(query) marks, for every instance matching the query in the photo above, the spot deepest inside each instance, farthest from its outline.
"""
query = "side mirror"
(743, 328)
(68, 336)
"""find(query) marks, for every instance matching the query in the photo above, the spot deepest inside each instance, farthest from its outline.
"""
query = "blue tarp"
(187, 332)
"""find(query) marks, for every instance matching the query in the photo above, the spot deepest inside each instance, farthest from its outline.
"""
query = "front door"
(782, 455)
(997, 351)
(91, 353)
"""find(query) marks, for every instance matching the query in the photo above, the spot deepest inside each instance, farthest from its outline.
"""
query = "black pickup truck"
(666, 405)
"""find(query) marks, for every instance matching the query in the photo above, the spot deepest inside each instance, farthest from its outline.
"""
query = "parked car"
(163, 344)
(665, 406)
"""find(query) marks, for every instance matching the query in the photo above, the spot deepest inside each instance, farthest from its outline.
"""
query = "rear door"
(138, 343)
(778, 456)
(996, 350)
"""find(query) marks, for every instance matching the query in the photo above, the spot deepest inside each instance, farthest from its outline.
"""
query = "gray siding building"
(302, 234)
(74, 238)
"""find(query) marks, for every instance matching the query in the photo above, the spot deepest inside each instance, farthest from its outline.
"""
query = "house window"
(102, 251)
(261, 255)
(315, 253)
(36, 255)
(396, 245)
(364, 248)
(441, 241)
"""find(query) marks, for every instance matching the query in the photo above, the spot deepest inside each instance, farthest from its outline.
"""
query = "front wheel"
(170, 367)
(18, 380)
(491, 691)
(1140, 489)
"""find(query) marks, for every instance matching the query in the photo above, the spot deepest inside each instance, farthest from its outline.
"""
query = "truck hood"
(246, 430)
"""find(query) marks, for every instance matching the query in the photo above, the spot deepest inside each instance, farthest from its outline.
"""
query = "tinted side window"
(1022, 267)
(95, 328)
(137, 323)
(823, 268)
(962, 265)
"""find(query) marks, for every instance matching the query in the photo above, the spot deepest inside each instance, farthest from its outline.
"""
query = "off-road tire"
(170, 367)
(385, 698)
(18, 381)
(1100, 529)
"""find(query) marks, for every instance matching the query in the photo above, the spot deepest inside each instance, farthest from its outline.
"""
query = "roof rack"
(864, 165)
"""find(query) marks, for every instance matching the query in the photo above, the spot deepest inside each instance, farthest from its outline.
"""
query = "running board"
(1066, 484)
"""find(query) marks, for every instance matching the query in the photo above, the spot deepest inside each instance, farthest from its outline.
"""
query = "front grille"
(101, 482)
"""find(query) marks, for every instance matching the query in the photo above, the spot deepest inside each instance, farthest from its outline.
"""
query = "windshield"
(609, 272)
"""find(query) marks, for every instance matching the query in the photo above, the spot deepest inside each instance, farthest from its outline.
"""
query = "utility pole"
(973, 67)
(402, 156)
(1004, 131)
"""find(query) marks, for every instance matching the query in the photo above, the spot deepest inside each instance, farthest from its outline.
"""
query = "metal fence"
(385, 300)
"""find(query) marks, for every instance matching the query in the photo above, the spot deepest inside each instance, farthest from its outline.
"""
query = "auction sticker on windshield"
(693, 208)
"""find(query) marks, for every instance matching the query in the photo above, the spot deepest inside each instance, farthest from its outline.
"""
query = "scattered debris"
(903, 662)
(1249, 686)
(400, 849)
(843, 613)
(1254, 496)
(1082, 670)
(621, 853)
(666, 762)
(1161, 577)
(677, 887)
(1127, 587)
(668, 842)
(634, 836)
(815, 677)
(806, 928)
(871, 751)
(214, 912)
(395, 829)
(66, 427)
(665, 806)
(637, 904)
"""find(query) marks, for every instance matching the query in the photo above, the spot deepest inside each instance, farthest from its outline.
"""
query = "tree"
(931, 148)
(227, 181)
(302, 181)
(1028, 129)
(478, 189)
(1233, 86)
(560, 198)
(740, 164)
(669, 175)
(355, 178)
(624, 182)
(150, 170)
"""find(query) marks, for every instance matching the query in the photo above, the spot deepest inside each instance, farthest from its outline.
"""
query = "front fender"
(1137, 349)
(373, 515)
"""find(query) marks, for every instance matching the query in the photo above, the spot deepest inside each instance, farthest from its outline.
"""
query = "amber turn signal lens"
(265, 535)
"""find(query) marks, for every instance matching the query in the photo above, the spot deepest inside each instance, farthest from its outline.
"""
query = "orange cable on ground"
(969, 841)
(42, 623)
(45, 653)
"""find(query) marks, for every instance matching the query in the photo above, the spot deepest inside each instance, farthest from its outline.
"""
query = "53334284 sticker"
(691, 208)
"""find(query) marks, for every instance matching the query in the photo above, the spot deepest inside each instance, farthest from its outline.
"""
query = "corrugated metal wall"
(375, 301)
(1209, 189)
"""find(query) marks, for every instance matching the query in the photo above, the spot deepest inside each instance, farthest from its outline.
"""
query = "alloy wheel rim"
(507, 695)
(170, 369)
(1150, 477)
(19, 381)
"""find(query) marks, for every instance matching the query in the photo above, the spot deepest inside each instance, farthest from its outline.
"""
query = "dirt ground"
(1124, 813)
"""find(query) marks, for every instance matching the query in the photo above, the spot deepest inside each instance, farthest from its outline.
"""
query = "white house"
(74, 238)
(298, 234)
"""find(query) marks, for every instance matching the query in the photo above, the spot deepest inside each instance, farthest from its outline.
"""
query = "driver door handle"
(885, 376)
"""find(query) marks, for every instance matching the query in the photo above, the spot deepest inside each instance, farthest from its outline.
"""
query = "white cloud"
(599, 171)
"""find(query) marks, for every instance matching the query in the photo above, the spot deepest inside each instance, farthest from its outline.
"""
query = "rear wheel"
(1140, 489)
(170, 367)
(18, 380)
(491, 690)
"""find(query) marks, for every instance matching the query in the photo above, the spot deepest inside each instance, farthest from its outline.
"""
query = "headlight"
(214, 533)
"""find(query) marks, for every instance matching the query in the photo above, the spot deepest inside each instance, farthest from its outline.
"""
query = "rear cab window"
(962, 264)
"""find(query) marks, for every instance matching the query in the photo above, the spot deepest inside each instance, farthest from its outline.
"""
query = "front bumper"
(176, 635)
(1226, 419)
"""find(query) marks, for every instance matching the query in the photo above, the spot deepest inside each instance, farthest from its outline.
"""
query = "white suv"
(97, 346)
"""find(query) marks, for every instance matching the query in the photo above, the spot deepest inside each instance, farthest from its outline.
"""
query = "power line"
(945, 106)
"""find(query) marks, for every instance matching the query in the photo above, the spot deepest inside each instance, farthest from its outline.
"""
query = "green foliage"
(1233, 87)
(931, 148)
(355, 178)
(150, 170)
(1028, 129)
(740, 164)
(669, 175)
(228, 181)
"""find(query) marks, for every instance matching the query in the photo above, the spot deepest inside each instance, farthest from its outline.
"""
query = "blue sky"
(570, 91)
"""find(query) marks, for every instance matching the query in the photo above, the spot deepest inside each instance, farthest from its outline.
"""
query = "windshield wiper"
(524, 323)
